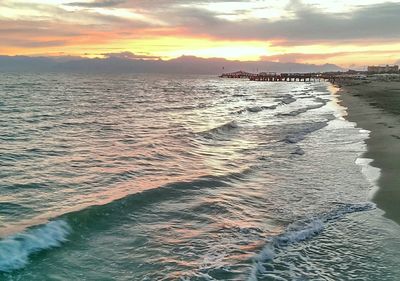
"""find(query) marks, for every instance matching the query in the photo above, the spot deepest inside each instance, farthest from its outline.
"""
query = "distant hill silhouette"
(181, 65)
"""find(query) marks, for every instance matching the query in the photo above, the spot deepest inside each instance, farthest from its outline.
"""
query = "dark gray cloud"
(375, 22)
(304, 24)
(130, 56)
(155, 4)
(149, 5)
(97, 4)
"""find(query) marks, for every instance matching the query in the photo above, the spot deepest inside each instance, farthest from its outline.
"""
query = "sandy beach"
(375, 106)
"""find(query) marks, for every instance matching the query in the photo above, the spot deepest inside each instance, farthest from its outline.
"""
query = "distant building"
(383, 69)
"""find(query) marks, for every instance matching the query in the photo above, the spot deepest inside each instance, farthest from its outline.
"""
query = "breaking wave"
(301, 110)
(299, 231)
(299, 135)
(255, 109)
(287, 99)
(16, 249)
(224, 128)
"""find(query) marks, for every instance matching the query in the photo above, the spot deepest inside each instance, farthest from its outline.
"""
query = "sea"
(166, 177)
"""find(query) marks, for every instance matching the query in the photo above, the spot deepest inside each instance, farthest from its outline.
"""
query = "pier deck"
(288, 77)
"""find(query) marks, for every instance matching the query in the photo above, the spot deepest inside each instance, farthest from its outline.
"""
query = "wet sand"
(375, 106)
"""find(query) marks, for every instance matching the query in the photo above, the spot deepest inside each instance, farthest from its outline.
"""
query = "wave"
(286, 99)
(371, 173)
(298, 151)
(224, 128)
(301, 110)
(255, 109)
(307, 129)
(118, 210)
(29, 185)
(15, 250)
(178, 108)
(8, 208)
(300, 231)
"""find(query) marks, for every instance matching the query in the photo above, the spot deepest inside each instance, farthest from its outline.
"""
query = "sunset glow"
(345, 32)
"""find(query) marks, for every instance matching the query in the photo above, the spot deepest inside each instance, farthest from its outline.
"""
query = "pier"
(237, 75)
(291, 77)
(286, 77)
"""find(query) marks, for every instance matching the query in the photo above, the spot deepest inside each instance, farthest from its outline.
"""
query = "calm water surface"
(133, 177)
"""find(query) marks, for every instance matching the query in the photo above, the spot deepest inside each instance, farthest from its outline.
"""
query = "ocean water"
(140, 177)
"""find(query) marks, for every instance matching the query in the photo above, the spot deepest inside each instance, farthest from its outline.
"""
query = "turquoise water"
(127, 177)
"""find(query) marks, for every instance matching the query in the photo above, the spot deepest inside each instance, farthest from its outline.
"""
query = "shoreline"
(375, 106)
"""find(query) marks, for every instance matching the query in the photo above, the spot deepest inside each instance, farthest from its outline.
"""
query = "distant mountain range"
(181, 65)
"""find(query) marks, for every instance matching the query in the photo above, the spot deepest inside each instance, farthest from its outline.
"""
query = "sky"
(348, 33)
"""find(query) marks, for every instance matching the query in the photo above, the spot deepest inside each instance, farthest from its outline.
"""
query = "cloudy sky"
(345, 32)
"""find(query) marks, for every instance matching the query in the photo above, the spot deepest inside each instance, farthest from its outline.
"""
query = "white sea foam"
(15, 250)
(300, 231)
(371, 173)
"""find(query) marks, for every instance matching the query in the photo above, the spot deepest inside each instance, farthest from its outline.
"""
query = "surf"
(16, 249)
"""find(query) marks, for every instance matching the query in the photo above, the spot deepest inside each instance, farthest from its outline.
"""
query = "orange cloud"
(172, 28)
